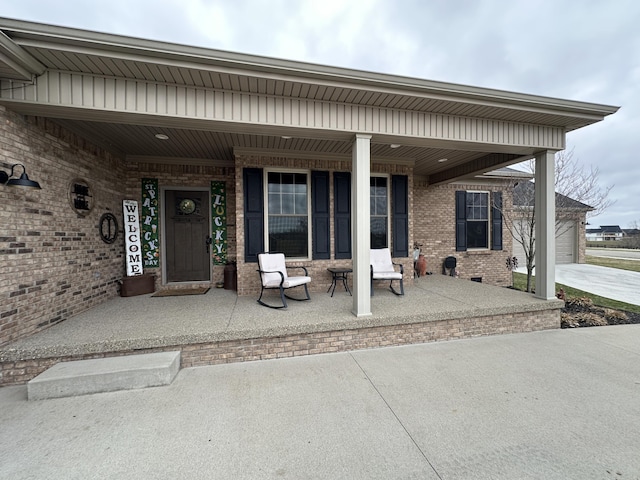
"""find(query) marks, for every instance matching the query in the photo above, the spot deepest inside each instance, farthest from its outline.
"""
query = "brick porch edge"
(215, 353)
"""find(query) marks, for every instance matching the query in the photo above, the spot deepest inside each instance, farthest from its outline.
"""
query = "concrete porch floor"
(450, 307)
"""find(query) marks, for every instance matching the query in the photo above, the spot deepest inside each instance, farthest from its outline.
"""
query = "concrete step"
(68, 379)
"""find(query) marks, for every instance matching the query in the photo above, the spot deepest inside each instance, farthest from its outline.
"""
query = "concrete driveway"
(621, 285)
(556, 404)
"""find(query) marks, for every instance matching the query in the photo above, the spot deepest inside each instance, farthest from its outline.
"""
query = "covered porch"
(221, 327)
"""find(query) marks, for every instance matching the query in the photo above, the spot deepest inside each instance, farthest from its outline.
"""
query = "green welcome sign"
(219, 223)
(149, 218)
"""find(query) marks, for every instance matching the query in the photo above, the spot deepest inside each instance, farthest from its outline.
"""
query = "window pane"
(274, 203)
(477, 234)
(274, 182)
(287, 187)
(301, 204)
(289, 235)
(378, 204)
(378, 232)
(300, 181)
(287, 204)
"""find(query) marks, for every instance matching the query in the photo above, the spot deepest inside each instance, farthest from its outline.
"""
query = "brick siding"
(435, 229)
(215, 353)
(54, 264)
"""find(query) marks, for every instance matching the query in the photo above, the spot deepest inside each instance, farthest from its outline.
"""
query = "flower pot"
(421, 265)
(137, 285)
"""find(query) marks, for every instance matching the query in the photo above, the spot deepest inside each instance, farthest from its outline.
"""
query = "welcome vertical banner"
(219, 223)
(132, 237)
(149, 213)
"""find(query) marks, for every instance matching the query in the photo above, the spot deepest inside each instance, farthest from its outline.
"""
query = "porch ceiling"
(138, 142)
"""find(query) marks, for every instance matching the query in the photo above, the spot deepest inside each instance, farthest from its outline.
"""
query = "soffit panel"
(140, 140)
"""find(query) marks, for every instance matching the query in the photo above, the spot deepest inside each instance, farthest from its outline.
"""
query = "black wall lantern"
(23, 181)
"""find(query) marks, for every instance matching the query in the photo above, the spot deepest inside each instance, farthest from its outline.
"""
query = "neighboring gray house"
(570, 224)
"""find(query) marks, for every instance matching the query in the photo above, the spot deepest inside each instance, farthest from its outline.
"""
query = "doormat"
(178, 292)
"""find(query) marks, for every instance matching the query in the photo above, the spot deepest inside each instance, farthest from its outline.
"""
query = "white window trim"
(265, 190)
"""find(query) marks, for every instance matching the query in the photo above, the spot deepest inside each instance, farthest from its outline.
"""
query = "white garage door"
(518, 252)
(566, 242)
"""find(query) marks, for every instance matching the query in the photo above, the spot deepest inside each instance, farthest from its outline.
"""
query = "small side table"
(339, 274)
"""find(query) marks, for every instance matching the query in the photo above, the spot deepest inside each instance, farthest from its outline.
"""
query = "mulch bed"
(581, 312)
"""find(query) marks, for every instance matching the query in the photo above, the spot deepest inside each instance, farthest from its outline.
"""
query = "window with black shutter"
(478, 220)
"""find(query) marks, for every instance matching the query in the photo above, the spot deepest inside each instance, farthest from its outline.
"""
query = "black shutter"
(496, 221)
(253, 214)
(461, 221)
(400, 219)
(320, 215)
(342, 214)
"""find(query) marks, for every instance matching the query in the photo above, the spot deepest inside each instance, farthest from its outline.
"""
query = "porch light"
(161, 136)
(23, 181)
(394, 145)
(442, 160)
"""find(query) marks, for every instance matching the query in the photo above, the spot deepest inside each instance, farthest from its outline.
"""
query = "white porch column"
(361, 225)
(545, 219)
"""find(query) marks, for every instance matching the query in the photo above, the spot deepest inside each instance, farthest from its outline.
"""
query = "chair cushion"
(387, 276)
(272, 262)
(295, 281)
(381, 260)
(288, 283)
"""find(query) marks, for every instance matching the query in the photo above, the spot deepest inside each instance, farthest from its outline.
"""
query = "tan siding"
(142, 97)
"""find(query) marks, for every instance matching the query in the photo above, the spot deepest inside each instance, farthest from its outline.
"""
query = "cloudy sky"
(587, 50)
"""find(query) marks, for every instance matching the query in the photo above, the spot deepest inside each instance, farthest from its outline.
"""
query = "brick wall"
(54, 264)
(435, 229)
(21, 371)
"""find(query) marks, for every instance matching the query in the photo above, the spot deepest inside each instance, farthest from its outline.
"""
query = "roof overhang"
(30, 50)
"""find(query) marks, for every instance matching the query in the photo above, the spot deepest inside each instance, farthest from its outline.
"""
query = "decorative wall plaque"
(108, 228)
(81, 196)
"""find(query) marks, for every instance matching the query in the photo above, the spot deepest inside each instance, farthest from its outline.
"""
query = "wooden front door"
(187, 230)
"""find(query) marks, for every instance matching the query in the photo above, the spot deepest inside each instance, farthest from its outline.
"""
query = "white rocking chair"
(273, 274)
(382, 268)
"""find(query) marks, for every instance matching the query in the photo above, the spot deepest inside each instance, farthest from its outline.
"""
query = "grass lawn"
(520, 282)
(622, 264)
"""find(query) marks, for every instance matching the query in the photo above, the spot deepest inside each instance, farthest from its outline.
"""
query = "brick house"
(231, 154)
